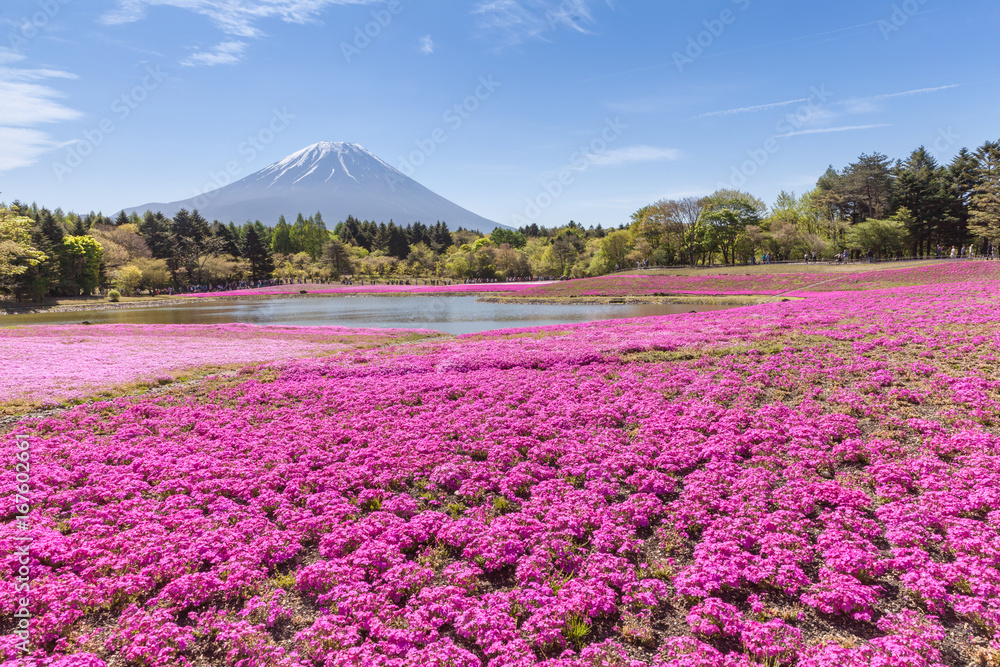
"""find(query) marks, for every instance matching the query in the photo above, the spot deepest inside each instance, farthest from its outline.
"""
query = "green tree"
(984, 207)
(961, 186)
(884, 238)
(257, 253)
(514, 239)
(17, 253)
(157, 231)
(337, 257)
(281, 238)
(81, 258)
(920, 187)
(726, 216)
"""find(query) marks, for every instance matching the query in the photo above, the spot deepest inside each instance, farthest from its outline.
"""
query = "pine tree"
(156, 230)
(281, 238)
(984, 209)
(257, 253)
(961, 185)
(921, 188)
(122, 219)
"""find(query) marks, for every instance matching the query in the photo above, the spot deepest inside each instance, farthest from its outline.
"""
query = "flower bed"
(50, 364)
(801, 284)
(809, 483)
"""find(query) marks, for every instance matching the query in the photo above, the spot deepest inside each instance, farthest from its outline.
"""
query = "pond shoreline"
(485, 297)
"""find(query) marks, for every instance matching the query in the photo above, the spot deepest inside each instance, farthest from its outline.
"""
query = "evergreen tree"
(867, 187)
(961, 186)
(155, 229)
(984, 209)
(921, 188)
(337, 256)
(80, 227)
(257, 253)
(281, 238)
(227, 241)
(398, 245)
(381, 240)
(122, 219)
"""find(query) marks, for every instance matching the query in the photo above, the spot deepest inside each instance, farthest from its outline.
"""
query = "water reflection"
(450, 314)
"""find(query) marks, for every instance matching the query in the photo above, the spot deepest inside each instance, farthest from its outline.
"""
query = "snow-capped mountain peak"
(335, 178)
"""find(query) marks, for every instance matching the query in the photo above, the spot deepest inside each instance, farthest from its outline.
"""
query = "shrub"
(114, 296)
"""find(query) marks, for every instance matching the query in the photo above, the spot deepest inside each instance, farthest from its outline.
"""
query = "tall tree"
(921, 188)
(961, 185)
(281, 238)
(868, 186)
(156, 229)
(984, 208)
(17, 253)
(257, 253)
(727, 214)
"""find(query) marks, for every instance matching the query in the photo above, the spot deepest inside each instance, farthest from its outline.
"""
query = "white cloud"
(634, 155)
(8, 55)
(24, 103)
(753, 109)
(21, 147)
(224, 53)
(842, 128)
(234, 17)
(870, 104)
(28, 104)
(512, 22)
(426, 45)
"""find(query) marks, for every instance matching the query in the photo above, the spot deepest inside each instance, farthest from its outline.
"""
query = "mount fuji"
(335, 178)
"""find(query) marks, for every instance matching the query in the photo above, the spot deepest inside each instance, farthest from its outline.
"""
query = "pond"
(449, 314)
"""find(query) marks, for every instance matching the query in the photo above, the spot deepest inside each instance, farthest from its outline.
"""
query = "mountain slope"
(335, 178)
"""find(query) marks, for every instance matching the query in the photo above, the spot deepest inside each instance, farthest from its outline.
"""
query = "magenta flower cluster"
(809, 483)
(57, 363)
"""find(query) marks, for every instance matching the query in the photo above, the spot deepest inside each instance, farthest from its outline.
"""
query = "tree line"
(913, 207)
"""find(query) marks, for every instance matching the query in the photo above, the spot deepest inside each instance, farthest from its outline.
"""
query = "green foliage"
(17, 251)
(114, 296)
(884, 238)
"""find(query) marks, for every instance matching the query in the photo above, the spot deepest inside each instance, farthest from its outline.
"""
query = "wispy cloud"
(234, 17)
(426, 45)
(512, 22)
(825, 130)
(634, 155)
(21, 147)
(224, 53)
(753, 109)
(871, 103)
(24, 104)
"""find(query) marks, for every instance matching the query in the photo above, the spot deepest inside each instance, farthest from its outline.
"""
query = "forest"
(912, 207)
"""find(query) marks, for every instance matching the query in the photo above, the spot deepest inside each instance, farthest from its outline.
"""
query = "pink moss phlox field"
(56, 363)
(811, 483)
(769, 283)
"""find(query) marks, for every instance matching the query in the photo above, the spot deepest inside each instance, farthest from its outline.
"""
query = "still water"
(450, 314)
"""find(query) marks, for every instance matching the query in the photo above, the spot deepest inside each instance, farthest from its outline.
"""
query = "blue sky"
(519, 110)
